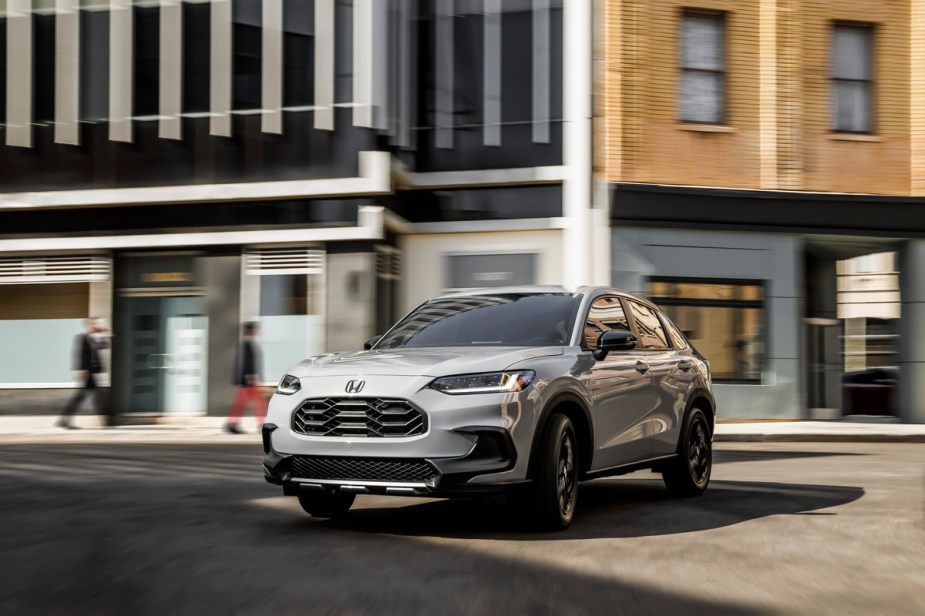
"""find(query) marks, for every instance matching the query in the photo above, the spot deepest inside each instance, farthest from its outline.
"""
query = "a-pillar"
(912, 332)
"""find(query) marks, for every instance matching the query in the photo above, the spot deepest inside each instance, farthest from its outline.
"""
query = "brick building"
(749, 148)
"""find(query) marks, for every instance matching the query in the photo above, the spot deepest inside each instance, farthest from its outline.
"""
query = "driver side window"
(605, 314)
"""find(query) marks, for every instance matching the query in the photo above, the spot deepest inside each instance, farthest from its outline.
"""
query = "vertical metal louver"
(388, 263)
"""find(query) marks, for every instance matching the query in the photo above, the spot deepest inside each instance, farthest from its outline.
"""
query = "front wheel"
(555, 486)
(326, 504)
(688, 474)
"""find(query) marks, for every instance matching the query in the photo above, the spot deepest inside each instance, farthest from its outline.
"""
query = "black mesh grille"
(377, 417)
(362, 469)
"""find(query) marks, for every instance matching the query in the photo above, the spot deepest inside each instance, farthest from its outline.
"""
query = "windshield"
(485, 320)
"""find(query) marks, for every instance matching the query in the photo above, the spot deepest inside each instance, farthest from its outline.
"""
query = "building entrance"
(161, 335)
(167, 347)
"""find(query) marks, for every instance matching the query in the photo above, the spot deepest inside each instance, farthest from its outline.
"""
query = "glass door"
(165, 341)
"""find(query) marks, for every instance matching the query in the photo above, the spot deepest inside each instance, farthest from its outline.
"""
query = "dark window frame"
(760, 304)
(722, 17)
(621, 300)
(871, 29)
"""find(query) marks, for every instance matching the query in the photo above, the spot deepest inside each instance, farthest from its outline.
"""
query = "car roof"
(589, 291)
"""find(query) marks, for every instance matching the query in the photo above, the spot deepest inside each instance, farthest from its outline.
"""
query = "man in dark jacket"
(87, 367)
(247, 379)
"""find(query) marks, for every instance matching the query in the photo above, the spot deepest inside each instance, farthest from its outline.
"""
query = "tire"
(326, 504)
(554, 493)
(688, 474)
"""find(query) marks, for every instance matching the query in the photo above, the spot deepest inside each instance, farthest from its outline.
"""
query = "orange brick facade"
(777, 130)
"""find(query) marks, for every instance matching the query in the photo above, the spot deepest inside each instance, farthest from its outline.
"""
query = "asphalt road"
(140, 528)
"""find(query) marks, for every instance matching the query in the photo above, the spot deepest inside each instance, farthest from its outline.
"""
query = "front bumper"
(493, 452)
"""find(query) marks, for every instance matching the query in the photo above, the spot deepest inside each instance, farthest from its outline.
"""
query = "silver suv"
(524, 391)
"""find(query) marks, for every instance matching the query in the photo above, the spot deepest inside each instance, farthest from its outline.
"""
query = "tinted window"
(501, 320)
(677, 338)
(605, 314)
(196, 56)
(649, 328)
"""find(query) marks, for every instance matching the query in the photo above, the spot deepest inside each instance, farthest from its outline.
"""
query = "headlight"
(288, 385)
(487, 383)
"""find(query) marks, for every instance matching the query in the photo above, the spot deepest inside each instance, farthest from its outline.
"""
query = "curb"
(819, 438)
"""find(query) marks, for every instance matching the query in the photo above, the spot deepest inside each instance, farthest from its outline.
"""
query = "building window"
(284, 291)
(474, 271)
(723, 319)
(46, 317)
(197, 34)
(852, 78)
(703, 67)
(247, 36)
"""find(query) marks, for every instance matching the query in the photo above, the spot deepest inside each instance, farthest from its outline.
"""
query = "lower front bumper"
(494, 452)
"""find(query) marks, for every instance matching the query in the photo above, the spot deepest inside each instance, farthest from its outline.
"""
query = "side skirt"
(623, 469)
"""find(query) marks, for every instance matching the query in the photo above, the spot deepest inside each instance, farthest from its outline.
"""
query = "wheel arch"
(572, 406)
(703, 399)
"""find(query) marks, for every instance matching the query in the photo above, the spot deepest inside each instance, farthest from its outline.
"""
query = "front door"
(621, 390)
(165, 343)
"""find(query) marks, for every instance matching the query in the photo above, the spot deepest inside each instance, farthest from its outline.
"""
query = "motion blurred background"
(757, 167)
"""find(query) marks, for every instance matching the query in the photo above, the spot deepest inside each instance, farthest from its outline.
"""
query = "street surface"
(156, 528)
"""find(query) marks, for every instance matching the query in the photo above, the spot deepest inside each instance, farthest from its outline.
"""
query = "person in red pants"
(247, 379)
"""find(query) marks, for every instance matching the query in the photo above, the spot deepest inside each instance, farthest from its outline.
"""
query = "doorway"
(164, 343)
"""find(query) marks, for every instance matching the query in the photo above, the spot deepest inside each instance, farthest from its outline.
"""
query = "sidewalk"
(40, 428)
(820, 431)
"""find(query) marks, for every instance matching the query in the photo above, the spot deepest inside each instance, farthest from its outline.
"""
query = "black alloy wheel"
(555, 483)
(688, 474)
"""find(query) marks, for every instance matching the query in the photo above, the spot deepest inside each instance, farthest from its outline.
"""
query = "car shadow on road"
(609, 508)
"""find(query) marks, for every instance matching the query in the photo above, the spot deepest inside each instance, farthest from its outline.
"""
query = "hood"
(418, 362)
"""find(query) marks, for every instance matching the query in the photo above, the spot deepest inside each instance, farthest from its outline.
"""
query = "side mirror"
(371, 342)
(614, 340)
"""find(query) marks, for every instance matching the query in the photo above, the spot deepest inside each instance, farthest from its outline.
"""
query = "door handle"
(685, 366)
(642, 367)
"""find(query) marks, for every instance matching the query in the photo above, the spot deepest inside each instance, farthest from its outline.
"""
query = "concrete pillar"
(576, 137)
(221, 276)
(350, 318)
(912, 332)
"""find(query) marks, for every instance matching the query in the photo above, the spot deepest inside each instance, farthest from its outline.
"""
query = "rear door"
(669, 378)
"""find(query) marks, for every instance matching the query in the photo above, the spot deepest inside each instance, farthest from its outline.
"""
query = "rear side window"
(605, 314)
(677, 338)
(650, 331)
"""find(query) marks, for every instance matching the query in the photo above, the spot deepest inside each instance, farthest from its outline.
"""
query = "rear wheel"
(555, 486)
(326, 504)
(688, 474)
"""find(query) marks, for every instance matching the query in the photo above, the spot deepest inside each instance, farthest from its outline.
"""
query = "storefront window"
(284, 291)
(723, 319)
(40, 316)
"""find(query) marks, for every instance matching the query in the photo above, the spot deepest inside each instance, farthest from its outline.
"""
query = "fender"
(701, 392)
(541, 423)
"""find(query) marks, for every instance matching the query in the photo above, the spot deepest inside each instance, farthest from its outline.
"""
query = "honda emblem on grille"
(355, 387)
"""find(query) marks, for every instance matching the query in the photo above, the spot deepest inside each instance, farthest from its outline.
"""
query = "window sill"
(707, 128)
(855, 137)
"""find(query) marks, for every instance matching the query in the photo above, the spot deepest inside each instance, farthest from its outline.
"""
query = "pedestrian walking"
(247, 379)
(87, 367)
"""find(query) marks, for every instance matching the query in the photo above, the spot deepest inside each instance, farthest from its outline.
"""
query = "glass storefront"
(41, 316)
(283, 290)
(723, 319)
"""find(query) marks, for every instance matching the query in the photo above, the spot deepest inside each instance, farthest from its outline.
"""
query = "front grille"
(376, 417)
(362, 469)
